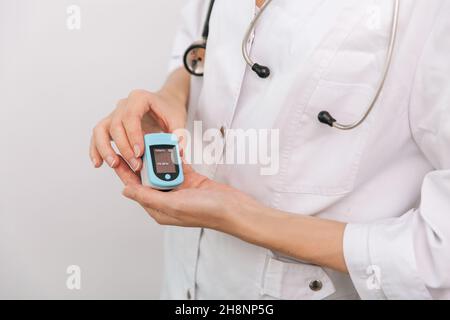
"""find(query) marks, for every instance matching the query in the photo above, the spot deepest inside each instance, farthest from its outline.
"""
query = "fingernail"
(137, 150)
(134, 163)
(94, 162)
(111, 161)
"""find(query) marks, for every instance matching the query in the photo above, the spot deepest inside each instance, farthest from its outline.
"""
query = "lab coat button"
(315, 285)
(222, 131)
(188, 294)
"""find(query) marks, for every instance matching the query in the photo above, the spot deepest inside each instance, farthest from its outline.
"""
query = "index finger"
(135, 134)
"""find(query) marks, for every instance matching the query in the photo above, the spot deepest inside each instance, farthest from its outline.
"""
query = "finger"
(125, 173)
(148, 197)
(119, 135)
(133, 129)
(102, 142)
(95, 156)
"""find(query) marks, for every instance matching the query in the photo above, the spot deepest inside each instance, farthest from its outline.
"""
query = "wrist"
(246, 221)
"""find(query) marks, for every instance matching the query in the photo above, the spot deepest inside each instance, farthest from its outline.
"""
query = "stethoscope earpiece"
(262, 71)
(326, 118)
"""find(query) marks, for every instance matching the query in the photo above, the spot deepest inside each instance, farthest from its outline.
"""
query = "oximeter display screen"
(164, 160)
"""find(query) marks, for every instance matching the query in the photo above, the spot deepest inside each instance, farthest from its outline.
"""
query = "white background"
(55, 84)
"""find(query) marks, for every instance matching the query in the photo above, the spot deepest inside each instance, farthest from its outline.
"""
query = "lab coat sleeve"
(409, 257)
(189, 30)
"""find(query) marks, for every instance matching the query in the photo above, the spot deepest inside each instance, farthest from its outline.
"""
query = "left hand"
(201, 202)
(198, 202)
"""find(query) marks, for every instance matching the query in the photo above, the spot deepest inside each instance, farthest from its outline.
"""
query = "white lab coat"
(389, 179)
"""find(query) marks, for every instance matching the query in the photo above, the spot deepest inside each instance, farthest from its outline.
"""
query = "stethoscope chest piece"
(194, 58)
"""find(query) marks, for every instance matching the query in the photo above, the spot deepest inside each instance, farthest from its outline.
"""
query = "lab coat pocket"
(295, 281)
(320, 160)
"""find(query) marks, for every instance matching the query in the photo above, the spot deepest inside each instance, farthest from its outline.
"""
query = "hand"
(141, 113)
(198, 202)
(201, 202)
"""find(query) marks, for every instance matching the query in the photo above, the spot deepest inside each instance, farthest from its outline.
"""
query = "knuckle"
(97, 129)
(113, 132)
(137, 101)
(114, 129)
(133, 110)
(128, 114)
(122, 102)
(101, 126)
(137, 93)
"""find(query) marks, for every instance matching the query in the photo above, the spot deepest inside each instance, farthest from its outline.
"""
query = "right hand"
(141, 113)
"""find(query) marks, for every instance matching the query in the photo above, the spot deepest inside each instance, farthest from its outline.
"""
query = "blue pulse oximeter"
(162, 166)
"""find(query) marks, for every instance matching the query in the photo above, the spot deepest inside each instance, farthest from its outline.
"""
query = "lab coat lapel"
(224, 71)
(225, 66)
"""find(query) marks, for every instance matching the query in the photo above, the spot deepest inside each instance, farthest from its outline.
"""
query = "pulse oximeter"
(162, 166)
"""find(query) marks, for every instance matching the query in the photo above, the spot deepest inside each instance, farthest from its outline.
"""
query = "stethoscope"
(194, 61)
